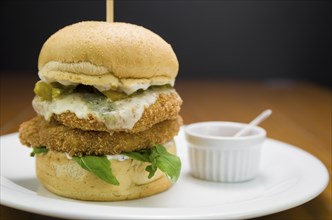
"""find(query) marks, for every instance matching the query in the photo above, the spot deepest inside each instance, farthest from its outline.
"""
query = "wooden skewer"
(110, 10)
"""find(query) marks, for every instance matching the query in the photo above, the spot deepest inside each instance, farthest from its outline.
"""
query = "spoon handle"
(264, 115)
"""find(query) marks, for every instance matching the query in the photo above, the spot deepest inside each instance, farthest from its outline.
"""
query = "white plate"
(289, 177)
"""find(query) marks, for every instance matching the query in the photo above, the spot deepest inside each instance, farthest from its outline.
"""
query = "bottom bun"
(66, 178)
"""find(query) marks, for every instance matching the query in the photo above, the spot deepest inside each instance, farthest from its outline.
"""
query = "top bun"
(117, 56)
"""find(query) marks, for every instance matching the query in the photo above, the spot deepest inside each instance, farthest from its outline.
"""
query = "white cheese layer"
(122, 114)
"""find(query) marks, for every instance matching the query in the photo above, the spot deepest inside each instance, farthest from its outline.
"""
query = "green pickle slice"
(43, 90)
(51, 91)
(114, 95)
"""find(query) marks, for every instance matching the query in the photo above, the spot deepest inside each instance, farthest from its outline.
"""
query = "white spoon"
(264, 115)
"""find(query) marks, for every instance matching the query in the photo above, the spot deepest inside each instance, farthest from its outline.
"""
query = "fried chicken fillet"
(76, 142)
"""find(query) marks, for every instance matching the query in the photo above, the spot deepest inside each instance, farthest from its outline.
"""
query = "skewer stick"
(110, 10)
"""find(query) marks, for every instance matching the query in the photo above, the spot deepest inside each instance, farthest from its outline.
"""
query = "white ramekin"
(215, 155)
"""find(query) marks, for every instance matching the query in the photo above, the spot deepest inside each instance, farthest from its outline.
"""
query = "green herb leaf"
(142, 155)
(152, 170)
(168, 163)
(158, 157)
(38, 150)
(98, 165)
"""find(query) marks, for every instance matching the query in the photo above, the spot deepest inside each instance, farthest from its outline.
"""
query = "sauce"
(121, 157)
(122, 114)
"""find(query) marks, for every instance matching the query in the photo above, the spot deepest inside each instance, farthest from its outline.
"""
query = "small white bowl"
(215, 155)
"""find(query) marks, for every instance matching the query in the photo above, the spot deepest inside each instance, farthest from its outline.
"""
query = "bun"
(95, 52)
(66, 178)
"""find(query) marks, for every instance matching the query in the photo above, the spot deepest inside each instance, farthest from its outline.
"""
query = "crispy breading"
(166, 107)
(38, 132)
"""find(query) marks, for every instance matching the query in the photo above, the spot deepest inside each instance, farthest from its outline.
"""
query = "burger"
(107, 113)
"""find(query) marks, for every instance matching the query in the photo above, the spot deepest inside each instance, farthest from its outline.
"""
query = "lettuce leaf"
(38, 150)
(158, 156)
(98, 165)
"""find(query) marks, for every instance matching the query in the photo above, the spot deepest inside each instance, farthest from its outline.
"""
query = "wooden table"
(301, 117)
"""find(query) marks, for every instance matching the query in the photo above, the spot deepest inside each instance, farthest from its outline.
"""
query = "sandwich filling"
(153, 158)
(115, 110)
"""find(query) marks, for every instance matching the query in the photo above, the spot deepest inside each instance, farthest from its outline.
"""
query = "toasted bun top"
(108, 55)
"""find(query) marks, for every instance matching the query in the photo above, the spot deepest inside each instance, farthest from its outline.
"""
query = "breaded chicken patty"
(38, 132)
(166, 107)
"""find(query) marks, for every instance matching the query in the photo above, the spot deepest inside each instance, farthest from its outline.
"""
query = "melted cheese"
(122, 114)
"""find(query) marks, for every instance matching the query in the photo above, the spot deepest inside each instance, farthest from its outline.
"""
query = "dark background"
(222, 39)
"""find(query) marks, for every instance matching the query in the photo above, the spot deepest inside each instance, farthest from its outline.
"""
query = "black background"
(221, 39)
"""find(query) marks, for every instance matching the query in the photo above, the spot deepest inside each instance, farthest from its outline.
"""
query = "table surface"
(301, 116)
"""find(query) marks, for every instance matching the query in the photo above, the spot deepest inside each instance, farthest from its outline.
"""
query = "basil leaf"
(98, 165)
(138, 155)
(38, 150)
(159, 157)
(168, 163)
(152, 170)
